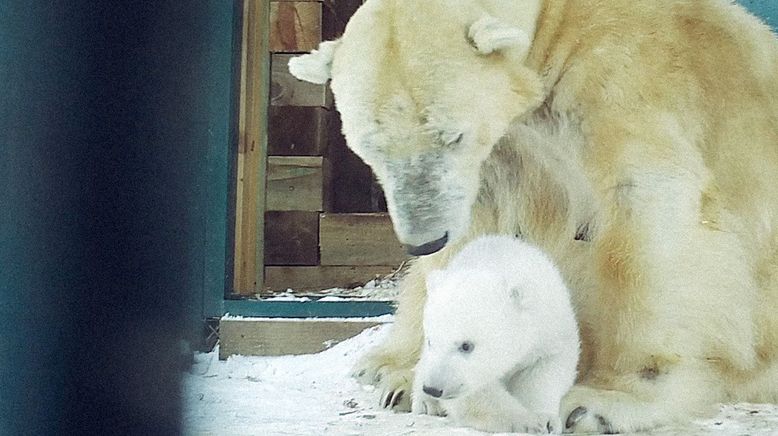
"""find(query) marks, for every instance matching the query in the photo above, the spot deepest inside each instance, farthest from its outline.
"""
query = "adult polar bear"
(635, 141)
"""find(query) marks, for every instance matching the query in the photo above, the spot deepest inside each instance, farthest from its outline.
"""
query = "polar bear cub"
(501, 340)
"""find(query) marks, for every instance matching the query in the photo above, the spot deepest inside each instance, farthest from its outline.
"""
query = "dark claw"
(575, 416)
(361, 373)
(391, 399)
(385, 400)
(396, 399)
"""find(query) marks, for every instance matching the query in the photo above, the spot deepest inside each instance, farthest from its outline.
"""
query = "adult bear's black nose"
(432, 392)
(428, 248)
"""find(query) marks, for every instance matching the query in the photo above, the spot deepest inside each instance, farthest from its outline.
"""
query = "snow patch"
(316, 395)
(382, 289)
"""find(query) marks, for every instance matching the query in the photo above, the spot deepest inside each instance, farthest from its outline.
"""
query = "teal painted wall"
(766, 9)
(217, 152)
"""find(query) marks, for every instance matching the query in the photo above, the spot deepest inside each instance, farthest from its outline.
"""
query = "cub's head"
(475, 332)
(425, 90)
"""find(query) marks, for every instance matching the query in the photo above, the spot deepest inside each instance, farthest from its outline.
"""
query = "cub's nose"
(432, 392)
(428, 248)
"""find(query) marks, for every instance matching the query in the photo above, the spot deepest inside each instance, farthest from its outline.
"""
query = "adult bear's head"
(425, 89)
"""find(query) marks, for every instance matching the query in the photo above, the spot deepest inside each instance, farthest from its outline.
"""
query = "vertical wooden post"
(252, 148)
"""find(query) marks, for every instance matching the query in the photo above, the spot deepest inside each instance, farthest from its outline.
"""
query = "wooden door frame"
(248, 252)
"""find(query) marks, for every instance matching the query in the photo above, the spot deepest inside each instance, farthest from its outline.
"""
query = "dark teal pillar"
(114, 121)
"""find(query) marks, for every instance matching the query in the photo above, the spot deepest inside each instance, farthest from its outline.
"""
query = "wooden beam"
(295, 26)
(252, 146)
(298, 183)
(283, 337)
(316, 278)
(359, 239)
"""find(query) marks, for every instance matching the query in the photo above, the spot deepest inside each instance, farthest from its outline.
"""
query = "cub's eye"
(466, 347)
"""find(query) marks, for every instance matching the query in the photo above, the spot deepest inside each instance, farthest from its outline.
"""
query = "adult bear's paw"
(392, 379)
(585, 410)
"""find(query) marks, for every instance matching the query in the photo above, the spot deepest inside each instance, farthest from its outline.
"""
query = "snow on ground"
(314, 395)
(384, 288)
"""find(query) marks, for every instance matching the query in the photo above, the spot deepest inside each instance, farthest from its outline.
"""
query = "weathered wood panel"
(277, 338)
(353, 187)
(286, 90)
(298, 131)
(295, 26)
(252, 144)
(292, 238)
(359, 239)
(298, 183)
(316, 278)
(335, 16)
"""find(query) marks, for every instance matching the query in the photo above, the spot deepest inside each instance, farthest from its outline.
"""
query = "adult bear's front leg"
(627, 403)
(673, 308)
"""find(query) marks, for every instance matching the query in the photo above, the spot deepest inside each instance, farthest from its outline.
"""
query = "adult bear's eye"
(450, 139)
(466, 347)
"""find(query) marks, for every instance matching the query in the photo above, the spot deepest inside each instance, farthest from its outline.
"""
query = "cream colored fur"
(649, 129)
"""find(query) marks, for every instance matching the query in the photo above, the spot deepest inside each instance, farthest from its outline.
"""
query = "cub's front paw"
(423, 404)
(538, 423)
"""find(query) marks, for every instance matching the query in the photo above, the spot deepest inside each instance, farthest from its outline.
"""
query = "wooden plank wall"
(298, 183)
(358, 239)
(295, 25)
(313, 238)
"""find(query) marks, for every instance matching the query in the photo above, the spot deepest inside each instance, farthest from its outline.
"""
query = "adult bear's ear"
(315, 67)
(489, 34)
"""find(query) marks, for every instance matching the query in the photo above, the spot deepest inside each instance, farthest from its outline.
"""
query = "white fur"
(638, 155)
(507, 299)
(315, 67)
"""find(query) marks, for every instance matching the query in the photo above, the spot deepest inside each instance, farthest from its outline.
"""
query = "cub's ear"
(315, 67)
(489, 34)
